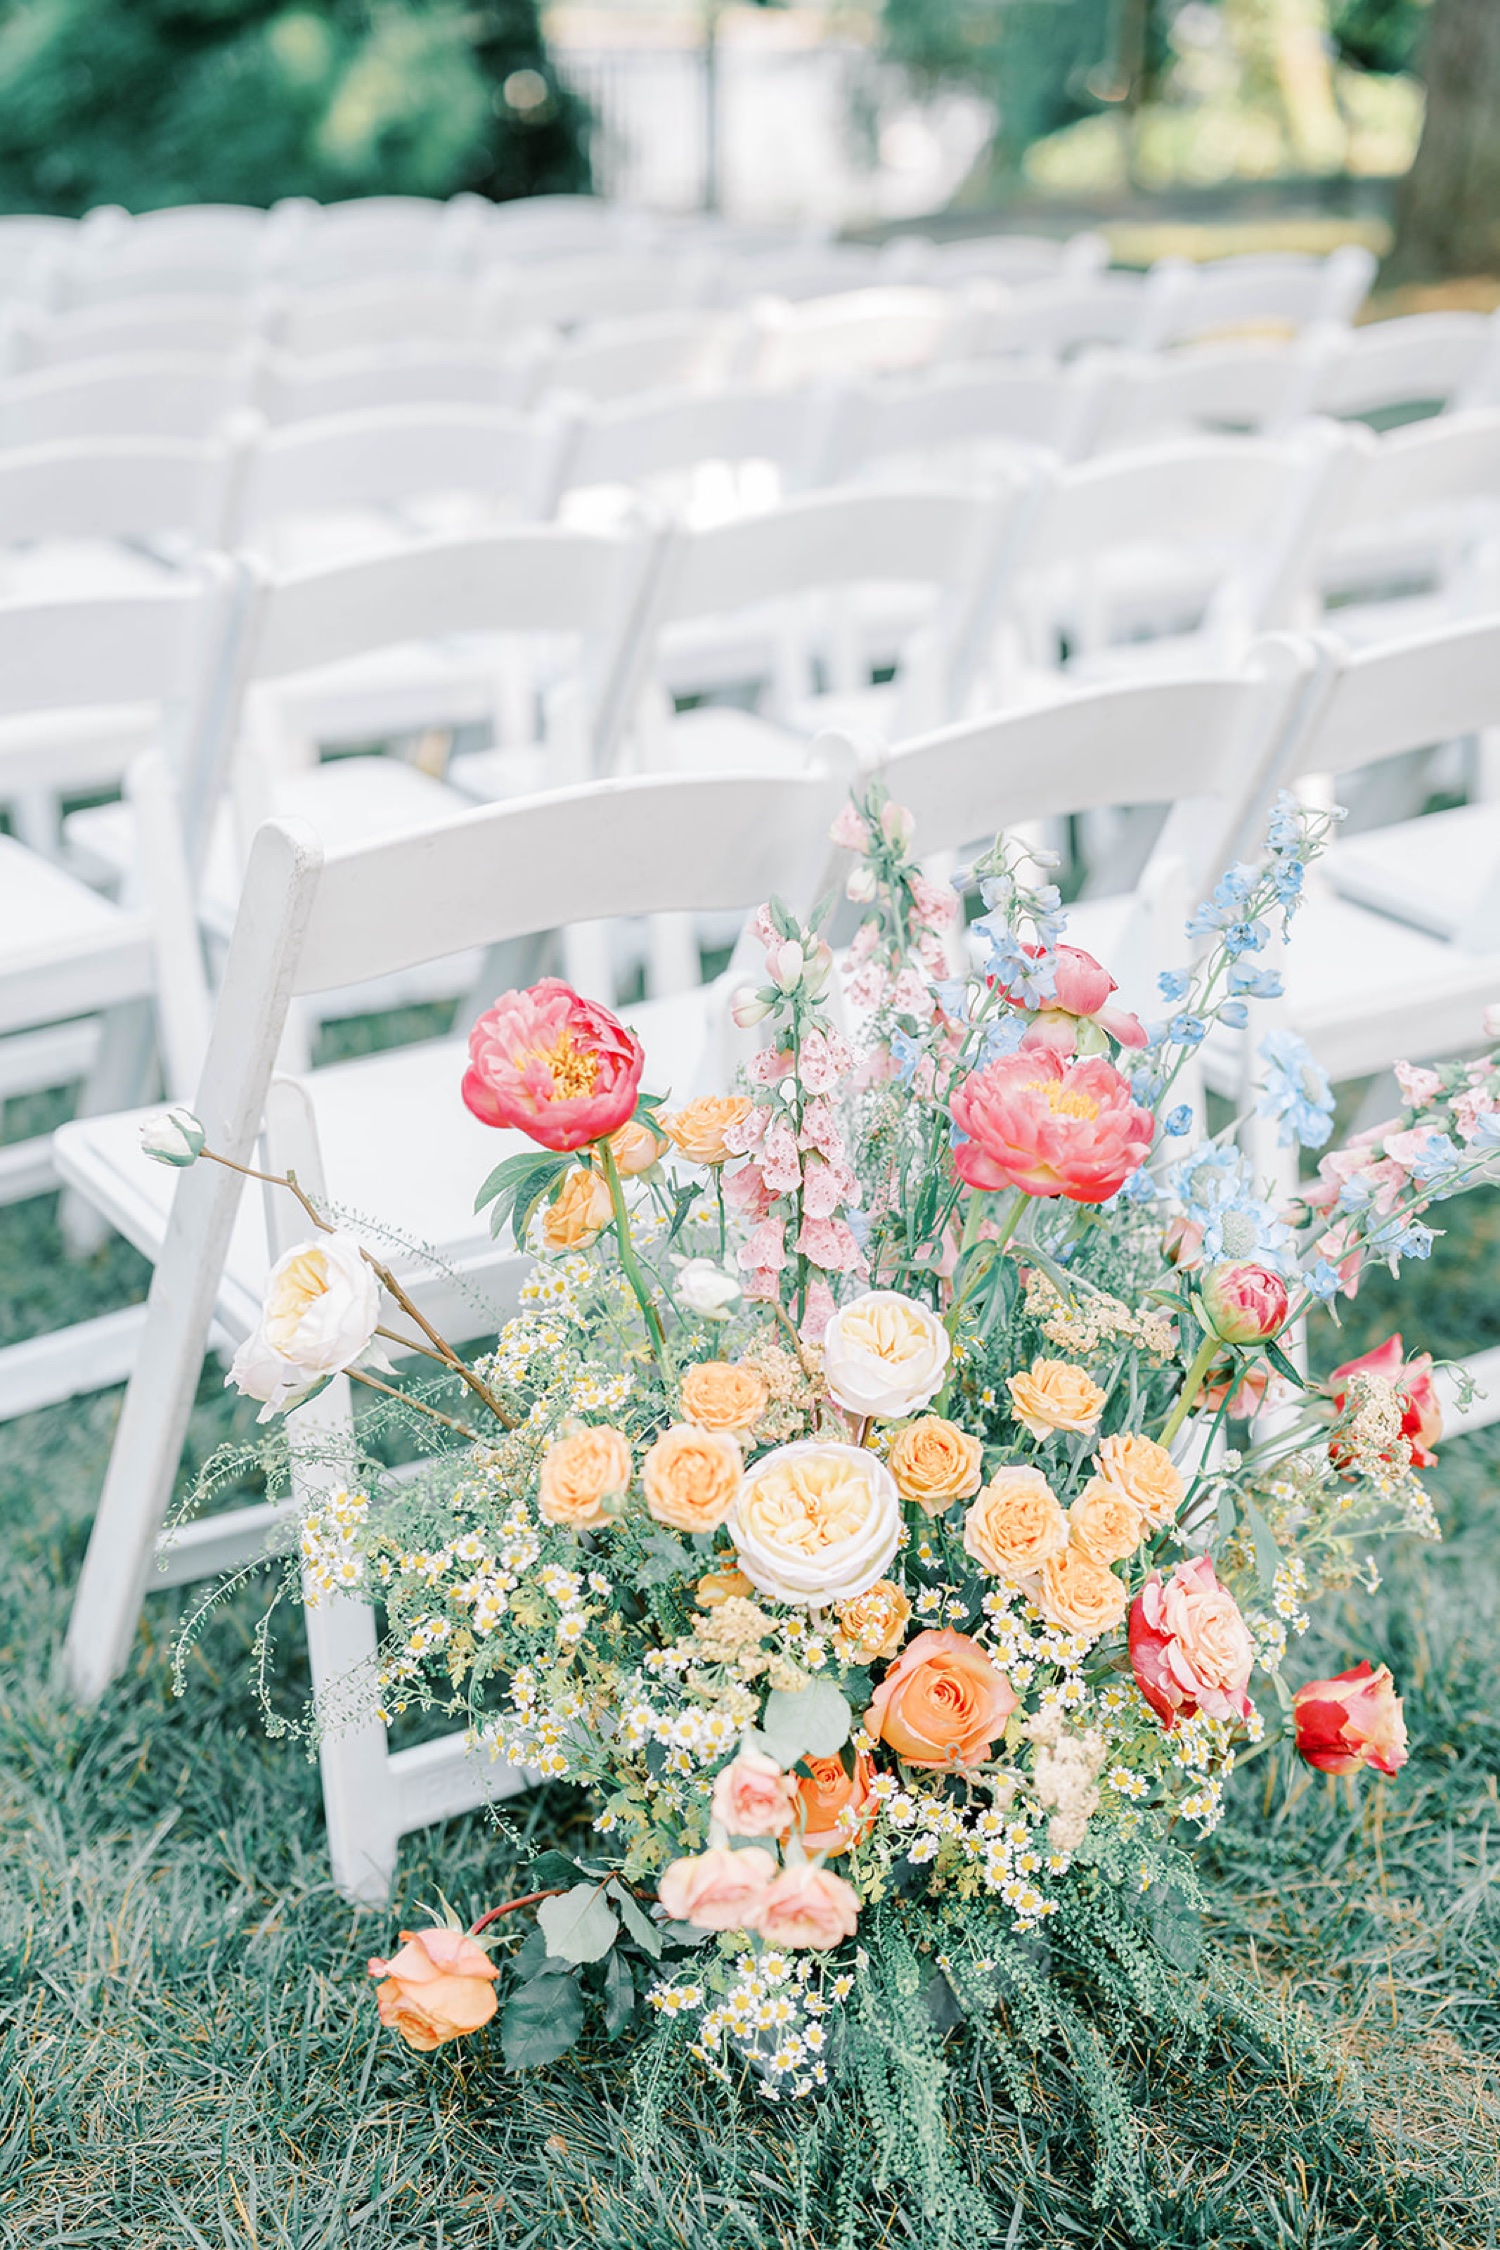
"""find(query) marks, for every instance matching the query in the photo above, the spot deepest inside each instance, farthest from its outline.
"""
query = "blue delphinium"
(1297, 1093)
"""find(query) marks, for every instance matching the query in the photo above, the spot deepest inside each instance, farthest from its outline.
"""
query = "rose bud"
(1350, 1721)
(172, 1136)
(1245, 1304)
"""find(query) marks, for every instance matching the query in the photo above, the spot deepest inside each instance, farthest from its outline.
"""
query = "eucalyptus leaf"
(811, 1722)
(579, 1926)
(541, 2021)
(639, 1924)
(666, 1559)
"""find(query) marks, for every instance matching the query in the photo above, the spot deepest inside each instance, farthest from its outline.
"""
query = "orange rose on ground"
(579, 1473)
(1079, 1595)
(1144, 1471)
(1055, 1395)
(1015, 1523)
(580, 1214)
(718, 1396)
(698, 1129)
(438, 1987)
(943, 1703)
(1105, 1522)
(934, 1463)
(690, 1477)
(828, 1791)
(873, 1624)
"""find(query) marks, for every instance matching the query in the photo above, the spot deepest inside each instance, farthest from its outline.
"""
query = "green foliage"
(1380, 34)
(147, 103)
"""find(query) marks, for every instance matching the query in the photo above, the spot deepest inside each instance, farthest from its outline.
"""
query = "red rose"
(1350, 1721)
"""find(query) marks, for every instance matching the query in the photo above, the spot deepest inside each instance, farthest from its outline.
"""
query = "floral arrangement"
(900, 1491)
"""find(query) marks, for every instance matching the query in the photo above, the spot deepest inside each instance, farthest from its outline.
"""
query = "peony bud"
(1182, 1244)
(785, 963)
(748, 1008)
(862, 885)
(706, 1289)
(172, 1136)
(1352, 1720)
(1245, 1304)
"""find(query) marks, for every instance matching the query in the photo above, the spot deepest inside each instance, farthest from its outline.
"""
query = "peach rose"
(580, 1213)
(1079, 1595)
(808, 1907)
(719, 1890)
(942, 1703)
(1015, 1523)
(438, 1987)
(717, 1586)
(698, 1130)
(1145, 1473)
(1190, 1648)
(1105, 1522)
(1055, 1395)
(718, 1396)
(579, 1473)
(934, 1463)
(829, 1792)
(753, 1797)
(635, 1148)
(873, 1624)
(690, 1476)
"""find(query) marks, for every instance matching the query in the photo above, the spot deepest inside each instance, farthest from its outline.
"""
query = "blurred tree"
(1448, 208)
(153, 102)
(1381, 35)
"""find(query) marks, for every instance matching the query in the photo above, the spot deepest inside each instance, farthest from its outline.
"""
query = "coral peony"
(1080, 994)
(1190, 1648)
(552, 1065)
(1350, 1721)
(1422, 1413)
(1048, 1126)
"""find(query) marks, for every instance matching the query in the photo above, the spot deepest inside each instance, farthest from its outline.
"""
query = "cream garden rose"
(815, 1522)
(1055, 1395)
(884, 1355)
(321, 1310)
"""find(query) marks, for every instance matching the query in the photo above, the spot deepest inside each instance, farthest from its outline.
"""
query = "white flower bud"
(172, 1136)
(786, 963)
(819, 966)
(862, 885)
(898, 824)
(706, 1289)
(748, 1009)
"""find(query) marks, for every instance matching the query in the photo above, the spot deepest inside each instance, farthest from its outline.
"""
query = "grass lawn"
(189, 2054)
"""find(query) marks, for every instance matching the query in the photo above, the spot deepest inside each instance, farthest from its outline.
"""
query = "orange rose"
(698, 1130)
(826, 1793)
(934, 1463)
(719, 1397)
(690, 1476)
(1105, 1522)
(439, 1986)
(942, 1703)
(873, 1624)
(1144, 1471)
(580, 1214)
(1015, 1523)
(717, 1586)
(1055, 1395)
(635, 1148)
(1079, 1595)
(579, 1473)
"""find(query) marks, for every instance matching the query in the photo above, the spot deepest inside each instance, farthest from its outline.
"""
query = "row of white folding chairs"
(663, 845)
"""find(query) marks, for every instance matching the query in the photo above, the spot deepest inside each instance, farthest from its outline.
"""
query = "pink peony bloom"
(1050, 1127)
(1246, 1303)
(1422, 1419)
(552, 1065)
(1189, 1646)
(1352, 1720)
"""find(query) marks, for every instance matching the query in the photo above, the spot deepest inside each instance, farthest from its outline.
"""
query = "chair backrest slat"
(1404, 695)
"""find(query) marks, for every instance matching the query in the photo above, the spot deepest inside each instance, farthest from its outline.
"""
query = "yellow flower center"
(807, 1505)
(303, 1283)
(1064, 1101)
(573, 1069)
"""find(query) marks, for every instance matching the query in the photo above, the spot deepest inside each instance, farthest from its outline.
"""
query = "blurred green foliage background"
(152, 102)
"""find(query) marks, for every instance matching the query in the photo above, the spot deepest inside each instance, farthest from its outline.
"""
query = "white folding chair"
(957, 417)
(1429, 361)
(309, 922)
(614, 358)
(537, 227)
(1250, 386)
(1060, 317)
(1415, 537)
(1018, 260)
(796, 270)
(217, 327)
(440, 309)
(619, 284)
(406, 374)
(707, 452)
(207, 249)
(1162, 555)
(109, 514)
(1286, 290)
(137, 394)
(860, 331)
(375, 236)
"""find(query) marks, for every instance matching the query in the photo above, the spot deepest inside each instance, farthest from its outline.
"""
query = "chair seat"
(62, 947)
(1432, 872)
(373, 1117)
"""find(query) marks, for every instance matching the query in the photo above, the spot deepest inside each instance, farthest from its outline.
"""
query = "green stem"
(1207, 1352)
(629, 1263)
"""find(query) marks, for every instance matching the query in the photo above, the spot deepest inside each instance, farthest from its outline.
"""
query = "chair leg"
(119, 1079)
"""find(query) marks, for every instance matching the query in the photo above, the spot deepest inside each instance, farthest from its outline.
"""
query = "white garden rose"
(884, 1355)
(815, 1523)
(172, 1136)
(706, 1289)
(321, 1307)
